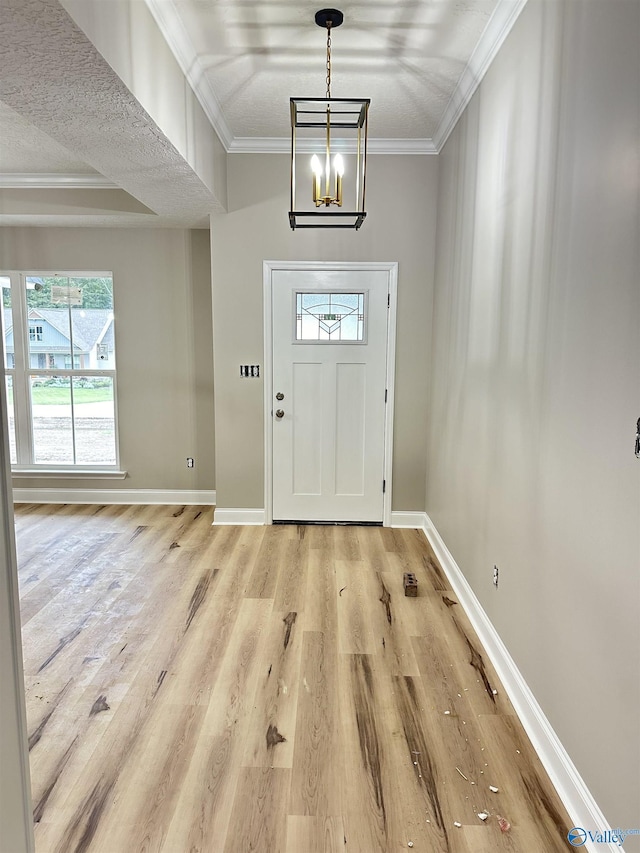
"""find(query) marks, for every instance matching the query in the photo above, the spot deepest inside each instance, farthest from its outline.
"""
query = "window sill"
(67, 474)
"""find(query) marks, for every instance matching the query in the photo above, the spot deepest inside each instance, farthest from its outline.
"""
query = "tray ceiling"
(415, 59)
(69, 122)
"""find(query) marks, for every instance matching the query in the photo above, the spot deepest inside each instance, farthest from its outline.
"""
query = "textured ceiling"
(26, 149)
(406, 55)
(55, 78)
(68, 121)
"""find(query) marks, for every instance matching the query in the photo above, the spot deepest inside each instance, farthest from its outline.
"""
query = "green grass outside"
(51, 396)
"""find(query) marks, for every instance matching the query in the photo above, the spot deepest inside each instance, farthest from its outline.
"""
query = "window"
(60, 376)
(325, 317)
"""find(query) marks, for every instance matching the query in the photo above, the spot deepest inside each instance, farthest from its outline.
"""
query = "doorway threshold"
(330, 523)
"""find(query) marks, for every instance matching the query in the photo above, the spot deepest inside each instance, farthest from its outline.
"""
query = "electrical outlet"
(495, 576)
(189, 461)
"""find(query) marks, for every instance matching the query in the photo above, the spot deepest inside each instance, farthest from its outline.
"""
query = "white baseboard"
(407, 519)
(185, 497)
(571, 788)
(238, 516)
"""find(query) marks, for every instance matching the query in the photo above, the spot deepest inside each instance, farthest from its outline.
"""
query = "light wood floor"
(234, 689)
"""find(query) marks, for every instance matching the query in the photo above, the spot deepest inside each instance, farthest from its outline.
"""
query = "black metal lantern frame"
(331, 129)
(330, 126)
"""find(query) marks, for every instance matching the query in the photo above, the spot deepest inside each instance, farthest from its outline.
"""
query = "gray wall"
(162, 296)
(400, 226)
(536, 373)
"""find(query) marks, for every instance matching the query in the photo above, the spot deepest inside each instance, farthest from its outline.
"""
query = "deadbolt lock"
(279, 413)
(279, 396)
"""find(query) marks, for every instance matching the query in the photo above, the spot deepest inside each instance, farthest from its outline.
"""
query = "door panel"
(328, 445)
(306, 428)
(350, 423)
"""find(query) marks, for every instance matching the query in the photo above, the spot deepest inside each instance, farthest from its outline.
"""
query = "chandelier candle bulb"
(317, 176)
(338, 165)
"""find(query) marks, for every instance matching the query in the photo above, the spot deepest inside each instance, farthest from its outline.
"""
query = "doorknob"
(279, 396)
(279, 413)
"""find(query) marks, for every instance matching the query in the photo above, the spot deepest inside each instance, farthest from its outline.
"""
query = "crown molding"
(401, 146)
(499, 26)
(170, 25)
(261, 145)
(54, 181)
(282, 145)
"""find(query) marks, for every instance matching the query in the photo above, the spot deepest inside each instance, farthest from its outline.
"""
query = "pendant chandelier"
(331, 188)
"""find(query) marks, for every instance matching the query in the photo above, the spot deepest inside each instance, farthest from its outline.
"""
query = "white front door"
(329, 368)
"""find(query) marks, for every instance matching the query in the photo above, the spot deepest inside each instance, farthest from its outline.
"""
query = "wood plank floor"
(197, 688)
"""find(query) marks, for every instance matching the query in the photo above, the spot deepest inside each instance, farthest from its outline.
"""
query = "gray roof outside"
(107, 338)
(87, 323)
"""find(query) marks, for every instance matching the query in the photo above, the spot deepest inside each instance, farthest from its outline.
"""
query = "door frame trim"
(268, 268)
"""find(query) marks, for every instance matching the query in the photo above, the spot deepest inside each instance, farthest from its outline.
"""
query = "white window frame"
(21, 373)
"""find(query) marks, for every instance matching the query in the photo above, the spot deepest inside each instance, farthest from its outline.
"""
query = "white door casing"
(329, 453)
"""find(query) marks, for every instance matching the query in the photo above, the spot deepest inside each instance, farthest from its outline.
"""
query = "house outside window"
(60, 370)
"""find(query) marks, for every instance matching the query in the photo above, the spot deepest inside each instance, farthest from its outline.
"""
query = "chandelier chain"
(328, 60)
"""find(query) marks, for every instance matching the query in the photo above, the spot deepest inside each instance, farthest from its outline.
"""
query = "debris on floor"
(503, 823)
(462, 774)
(456, 823)
(483, 815)
(410, 584)
(493, 788)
